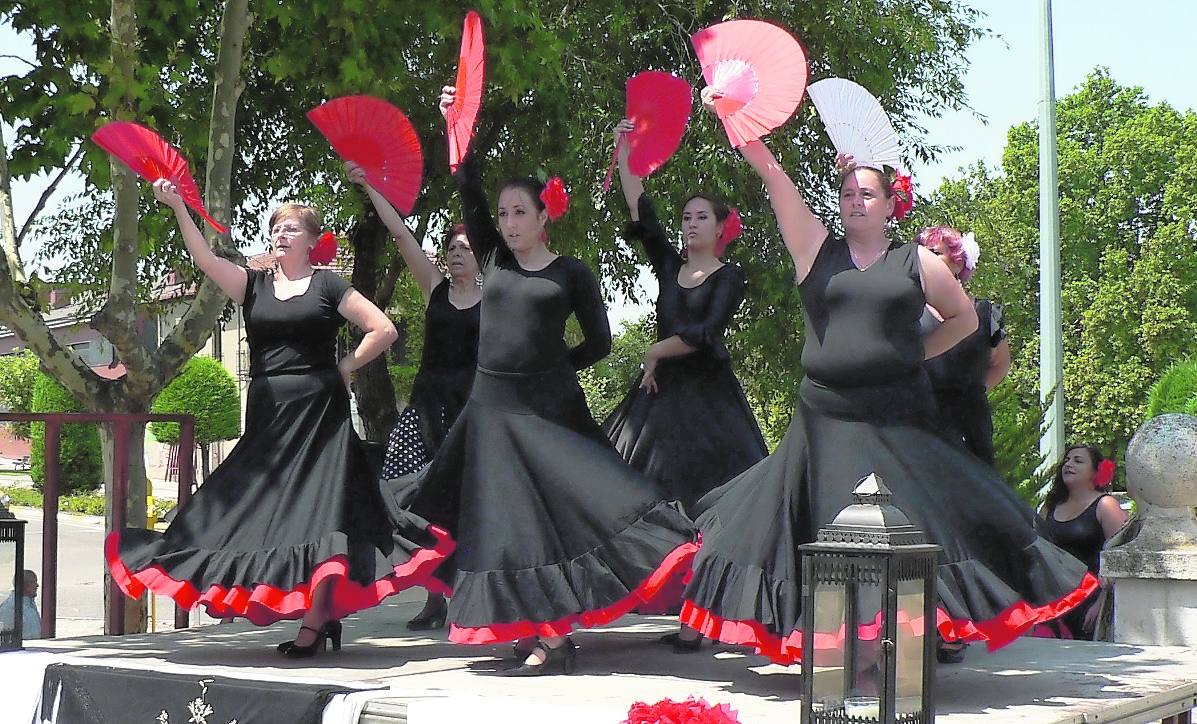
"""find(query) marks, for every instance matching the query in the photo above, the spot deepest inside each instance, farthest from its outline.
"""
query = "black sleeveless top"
(862, 326)
(700, 314)
(962, 368)
(450, 334)
(1082, 536)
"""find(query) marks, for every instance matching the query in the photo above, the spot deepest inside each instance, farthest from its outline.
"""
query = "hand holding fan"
(658, 105)
(149, 156)
(758, 71)
(471, 72)
(376, 136)
(856, 123)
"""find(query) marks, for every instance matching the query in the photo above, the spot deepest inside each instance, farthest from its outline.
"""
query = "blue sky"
(1149, 43)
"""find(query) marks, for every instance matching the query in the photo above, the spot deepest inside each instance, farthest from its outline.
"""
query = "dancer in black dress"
(865, 406)
(1080, 515)
(292, 523)
(554, 530)
(686, 421)
(447, 363)
(962, 376)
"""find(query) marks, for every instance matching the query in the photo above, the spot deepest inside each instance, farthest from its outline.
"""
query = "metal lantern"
(12, 570)
(868, 616)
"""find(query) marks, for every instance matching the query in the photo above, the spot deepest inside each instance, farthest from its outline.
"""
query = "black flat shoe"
(681, 645)
(295, 651)
(331, 631)
(430, 620)
(563, 658)
(521, 649)
(950, 652)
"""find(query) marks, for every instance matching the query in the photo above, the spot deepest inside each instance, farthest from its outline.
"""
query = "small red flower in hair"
(324, 250)
(1105, 474)
(732, 228)
(555, 198)
(903, 186)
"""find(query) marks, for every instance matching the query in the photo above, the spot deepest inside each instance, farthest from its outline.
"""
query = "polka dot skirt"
(405, 446)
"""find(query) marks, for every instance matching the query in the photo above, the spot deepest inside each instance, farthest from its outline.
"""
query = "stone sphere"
(1161, 462)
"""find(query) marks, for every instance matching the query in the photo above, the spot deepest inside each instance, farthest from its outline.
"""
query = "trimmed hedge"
(81, 464)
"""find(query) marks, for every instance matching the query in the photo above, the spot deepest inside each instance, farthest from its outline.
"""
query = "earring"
(478, 279)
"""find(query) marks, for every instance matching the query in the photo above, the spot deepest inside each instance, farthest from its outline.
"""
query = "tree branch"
(14, 269)
(9, 56)
(49, 191)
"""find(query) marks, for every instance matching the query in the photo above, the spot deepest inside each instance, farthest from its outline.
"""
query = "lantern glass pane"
(865, 655)
(9, 599)
(912, 628)
(830, 609)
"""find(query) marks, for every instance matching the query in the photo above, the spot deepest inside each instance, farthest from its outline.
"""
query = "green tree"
(80, 466)
(1128, 168)
(608, 382)
(18, 373)
(1175, 390)
(206, 391)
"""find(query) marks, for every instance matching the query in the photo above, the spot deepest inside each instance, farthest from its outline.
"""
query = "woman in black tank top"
(1079, 516)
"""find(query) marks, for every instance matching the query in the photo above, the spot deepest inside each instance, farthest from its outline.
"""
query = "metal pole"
(120, 496)
(1051, 357)
(50, 492)
(186, 476)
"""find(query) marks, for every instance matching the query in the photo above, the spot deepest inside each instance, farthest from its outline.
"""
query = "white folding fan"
(856, 122)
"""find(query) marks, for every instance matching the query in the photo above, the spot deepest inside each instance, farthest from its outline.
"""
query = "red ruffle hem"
(678, 559)
(263, 604)
(996, 632)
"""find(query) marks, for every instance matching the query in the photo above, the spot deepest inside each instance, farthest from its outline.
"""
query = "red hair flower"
(732, 228)
(690, 711)
(324, 250)
(555, 198)
(903, 186)
(1105, 474)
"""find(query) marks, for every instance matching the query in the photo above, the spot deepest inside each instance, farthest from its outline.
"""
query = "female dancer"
(963, 375)
(864, 407)
(292, 523)
(554, 530)
(686, 422)
(1080, 515)
(446, 364)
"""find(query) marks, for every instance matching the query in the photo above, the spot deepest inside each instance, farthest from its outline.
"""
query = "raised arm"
(588, 307)
(802, 231)
(426, 273)
(631, 184)
(485, 239)
(230, 277)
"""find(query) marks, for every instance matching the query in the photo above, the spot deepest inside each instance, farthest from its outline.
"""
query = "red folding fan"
(376, 136)
(471, 73)
(659, 106)
(149, 156)
(760, 71)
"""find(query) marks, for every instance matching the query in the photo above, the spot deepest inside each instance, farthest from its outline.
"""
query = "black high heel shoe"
(430, 620)
(564, 657)
(331, 631)
(681, 645)
(295, 651)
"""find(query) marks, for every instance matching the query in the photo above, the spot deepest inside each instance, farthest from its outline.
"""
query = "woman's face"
(700, 229)
(520, 220)
(289, 238)
(459, 258)
(943, 250)
(1078, 469)
(864, 207)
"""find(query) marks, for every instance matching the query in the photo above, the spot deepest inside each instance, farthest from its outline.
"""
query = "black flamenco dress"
(554, 530)
(296, 502)
(1084, 538)
(865, 406)
(697, 430)
(958, 379)
(441, 387)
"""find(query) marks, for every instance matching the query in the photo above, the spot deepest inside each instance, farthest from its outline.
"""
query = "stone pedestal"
(1155, 573)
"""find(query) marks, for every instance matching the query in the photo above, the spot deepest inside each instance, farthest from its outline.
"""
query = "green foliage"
(1128, 250)
(85, 503)
(80, 460)
(403, 377)
(1016, 432)
(18, 373)
(205, 390)
(1175, 390)
(608, 382)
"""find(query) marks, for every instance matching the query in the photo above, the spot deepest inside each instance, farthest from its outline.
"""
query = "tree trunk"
(372, 383)
(205, 461)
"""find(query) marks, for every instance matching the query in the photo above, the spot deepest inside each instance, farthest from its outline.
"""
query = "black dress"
(958, 379)
(441, 386)
(1084, 538)
(554, 530)
(697, 430)
(296, 501)
(865, 406)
